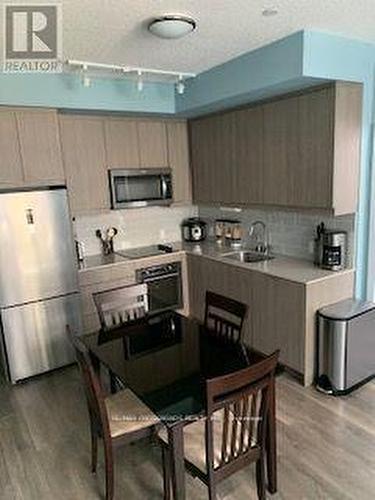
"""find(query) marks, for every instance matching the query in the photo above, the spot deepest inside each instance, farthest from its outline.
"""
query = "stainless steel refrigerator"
(38, 282)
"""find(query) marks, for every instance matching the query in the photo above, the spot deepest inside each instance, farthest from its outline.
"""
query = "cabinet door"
(10, 157)
(225, 279)
(224, 174)
(278, 319)
(178, 159)
(281, 150)
(249, 155)
(122, 144)
(84, 159)
(152, 143)
(40, 146)
(201, 158)
(213, 159)
(311, 176)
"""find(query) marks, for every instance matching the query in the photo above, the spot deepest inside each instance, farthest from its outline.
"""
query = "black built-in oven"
(164, 286)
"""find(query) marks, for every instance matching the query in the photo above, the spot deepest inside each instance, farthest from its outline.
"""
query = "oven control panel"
(158, 271)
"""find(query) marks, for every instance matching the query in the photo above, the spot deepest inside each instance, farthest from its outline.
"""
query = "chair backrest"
(224, 316)
(237, 406)
(93, 390)
(121, 305)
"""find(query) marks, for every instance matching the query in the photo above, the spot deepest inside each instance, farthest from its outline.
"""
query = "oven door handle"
(159, 278)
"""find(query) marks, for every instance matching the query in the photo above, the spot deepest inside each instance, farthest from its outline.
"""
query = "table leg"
(177, 461)
(271, 442)
(95, 364)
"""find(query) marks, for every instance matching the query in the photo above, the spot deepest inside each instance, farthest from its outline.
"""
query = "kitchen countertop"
(288, 268)
(92, 261)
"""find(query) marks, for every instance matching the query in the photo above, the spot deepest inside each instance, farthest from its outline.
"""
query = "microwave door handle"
(164, 187)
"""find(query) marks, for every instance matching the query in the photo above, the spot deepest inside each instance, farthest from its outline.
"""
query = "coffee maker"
(330, 248)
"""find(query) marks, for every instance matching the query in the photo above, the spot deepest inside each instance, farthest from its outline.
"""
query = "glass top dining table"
(165, 360)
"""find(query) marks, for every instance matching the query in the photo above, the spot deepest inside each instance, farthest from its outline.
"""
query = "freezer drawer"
(35, 337)
(37, 259)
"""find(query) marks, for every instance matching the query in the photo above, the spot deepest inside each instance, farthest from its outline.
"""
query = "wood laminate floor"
(326, 447)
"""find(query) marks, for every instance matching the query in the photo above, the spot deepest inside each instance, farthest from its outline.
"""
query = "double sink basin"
(247, 256)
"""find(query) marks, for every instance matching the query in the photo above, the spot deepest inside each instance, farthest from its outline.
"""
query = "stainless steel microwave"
(135, 187)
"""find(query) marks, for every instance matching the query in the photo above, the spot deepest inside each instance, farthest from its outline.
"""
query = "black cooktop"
(149, 251)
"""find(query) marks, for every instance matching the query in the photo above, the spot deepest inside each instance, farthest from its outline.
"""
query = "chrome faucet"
(262, 245)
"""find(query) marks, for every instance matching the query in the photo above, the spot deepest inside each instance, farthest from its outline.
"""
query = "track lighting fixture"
(140, 81)
(86, 81)
(153, 75)
(180, 86)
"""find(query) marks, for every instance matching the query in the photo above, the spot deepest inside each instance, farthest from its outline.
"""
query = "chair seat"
(194, 440)
(127, 413)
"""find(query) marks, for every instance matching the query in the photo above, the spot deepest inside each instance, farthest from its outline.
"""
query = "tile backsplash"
(136, 227)
(290, 233)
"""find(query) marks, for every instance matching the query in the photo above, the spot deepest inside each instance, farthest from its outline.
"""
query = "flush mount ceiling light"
(172, 26)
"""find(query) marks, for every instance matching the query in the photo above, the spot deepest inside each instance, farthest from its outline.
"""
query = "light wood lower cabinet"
(119, 275)
(281, 313)
(228, 280)
(278, 319)
(82, 139)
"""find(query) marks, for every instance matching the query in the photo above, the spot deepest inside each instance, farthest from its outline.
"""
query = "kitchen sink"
(248, 256)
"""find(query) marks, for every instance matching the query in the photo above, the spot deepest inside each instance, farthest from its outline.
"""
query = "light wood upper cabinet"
(11, 172)
(40, 146)
(298, 151)
(248, 168)
(83, 148)
(202, 160)
(178, 160)
(212, 149)
(122, 143)
(280, 147)
(152, 143)
(311, 175)
(134, 143)
(347, 145)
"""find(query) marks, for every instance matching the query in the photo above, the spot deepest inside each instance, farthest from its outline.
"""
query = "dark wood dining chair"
(224, 316)
(121, 305)
(233, 433)
(118, 419)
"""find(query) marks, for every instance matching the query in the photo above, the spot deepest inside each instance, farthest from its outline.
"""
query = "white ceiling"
(113, 31)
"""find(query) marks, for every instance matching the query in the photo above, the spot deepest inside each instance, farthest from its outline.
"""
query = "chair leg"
(109, 471)
(112, 382)
(211, 489)
(94, 450)
(260, 477)
(166, 474)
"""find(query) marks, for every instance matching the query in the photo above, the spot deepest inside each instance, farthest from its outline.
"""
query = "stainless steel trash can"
(346, 346)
